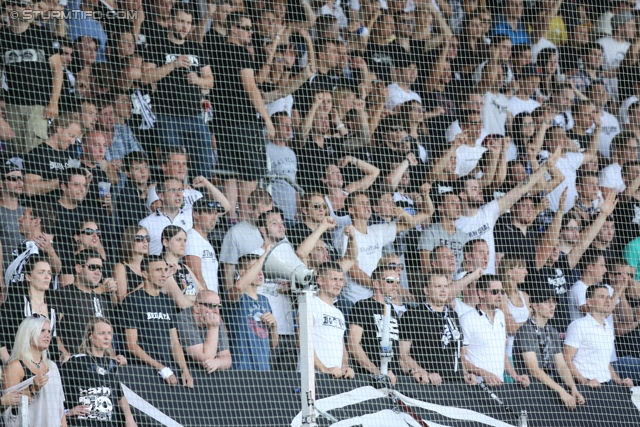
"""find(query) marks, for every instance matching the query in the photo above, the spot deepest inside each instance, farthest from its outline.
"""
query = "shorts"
(241, 150)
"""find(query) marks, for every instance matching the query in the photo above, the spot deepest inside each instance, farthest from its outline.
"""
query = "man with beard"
(181, 71)
(11, 189)
(514, 231)
(589, 195)
(90, 296)
(478, 219)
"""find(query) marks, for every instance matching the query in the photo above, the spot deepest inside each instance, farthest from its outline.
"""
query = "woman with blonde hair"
(93, 370)
(127, 273)
(513, 272)
(29, 360)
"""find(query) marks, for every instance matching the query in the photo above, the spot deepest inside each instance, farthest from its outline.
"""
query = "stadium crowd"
(474, 161)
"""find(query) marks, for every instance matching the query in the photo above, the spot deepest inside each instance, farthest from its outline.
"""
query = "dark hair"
(484, 281)
(620, 140)
(325, 267)
(588, 47)
(377, 273)
(469, 247)
(134, 157)
(161, 186)
(169, 232)
(544, 57)
(45, 214)
(351, 198)
(616, 262)
(583, 174)
(70, 172)
(181, 7)
(244, 260)
(593, 288)
(322, 44)
(80, 225)
(262, 219)
(147, 260)
(259, 196)
(234, 19)
(626, 168)
(32, 261)
(275, 117)
(590, 257)
(579, 106)
(85, 255)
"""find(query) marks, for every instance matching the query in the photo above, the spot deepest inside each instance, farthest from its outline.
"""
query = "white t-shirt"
(568, 165)
(467, 158)
(610, 128)
(369, 253)
(494, 113)
(157, 221)
(462, 308)
(578, 298)
(241, 239)
(564, 120)
(481, 226)
(487, 340)
(200, 247)
(398, 96)
(280, 306)
(328, 333)
(611, 177)
(613, 52)
(595, 344)
(517, 105)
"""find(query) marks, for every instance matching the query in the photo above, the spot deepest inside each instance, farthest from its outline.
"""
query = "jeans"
(628, 367)
(193, 134)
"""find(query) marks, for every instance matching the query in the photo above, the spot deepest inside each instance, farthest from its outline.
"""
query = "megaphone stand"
(307, 367)
(283, 262)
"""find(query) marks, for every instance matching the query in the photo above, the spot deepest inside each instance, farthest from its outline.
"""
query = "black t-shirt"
(153, 318)
(557, 279)
(129, 206)
(436, 339)
(439, 124)
(174, 95)
(77, 308)
(66, 221)
(627, 219)
(150, 31)
(47, 162)
(15, 309)
(92, 381)
(25, 62)
(231, 100)
(379, 59)
(369, 314)
(509, 238)
(312, 162)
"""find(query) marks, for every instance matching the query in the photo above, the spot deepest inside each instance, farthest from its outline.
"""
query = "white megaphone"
(283, 263)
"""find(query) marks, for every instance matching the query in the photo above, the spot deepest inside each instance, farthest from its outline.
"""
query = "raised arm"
(514, 195)
(550, 240)
(370, 173)
(587, 235)
(244, 281)
(307, 245)
(351, 254)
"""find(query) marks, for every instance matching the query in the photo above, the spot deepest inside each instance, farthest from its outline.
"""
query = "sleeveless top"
(185, 281)
(133, 279)
(520, 315)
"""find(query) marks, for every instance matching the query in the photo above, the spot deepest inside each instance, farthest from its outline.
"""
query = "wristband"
(340, 126)
(165, 372)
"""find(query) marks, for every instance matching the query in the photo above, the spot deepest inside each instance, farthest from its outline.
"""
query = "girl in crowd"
(515, 306)
(32, 301)
(93, 369)
(182, 285)
(134, 247)
(29, 359)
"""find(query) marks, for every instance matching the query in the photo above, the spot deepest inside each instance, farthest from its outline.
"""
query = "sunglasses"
(496, 291)
(395, 266)
(280, 60)
(392, 280)
(247, 28)
(140, 238)
(91, 232)
(94, 267)
(322, 206)
(210, 305)
(13, 178)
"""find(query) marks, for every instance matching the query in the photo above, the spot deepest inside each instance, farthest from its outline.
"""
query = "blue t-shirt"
(249, 337)
(518, 36)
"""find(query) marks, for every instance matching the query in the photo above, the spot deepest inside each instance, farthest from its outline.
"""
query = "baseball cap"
(205, 204)
(11, 165)
(621, 19)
